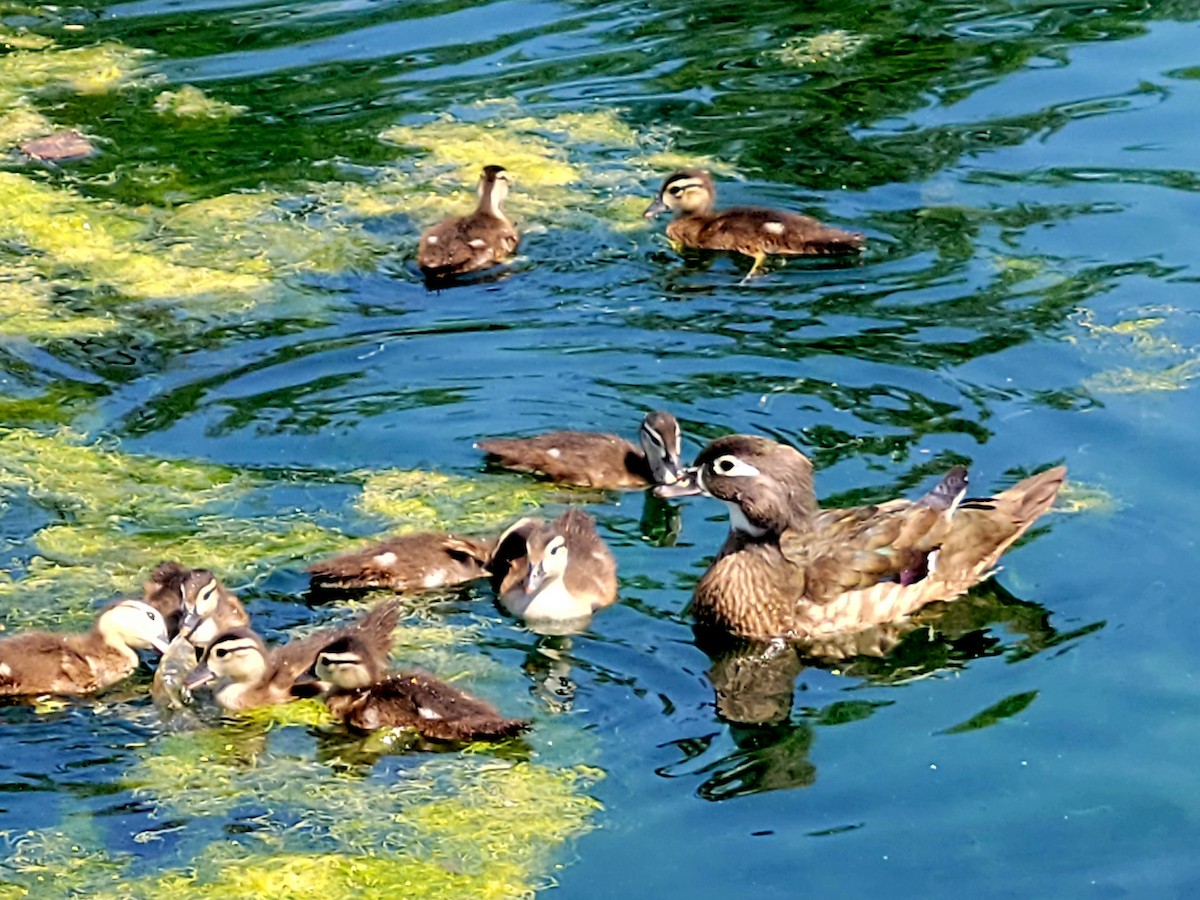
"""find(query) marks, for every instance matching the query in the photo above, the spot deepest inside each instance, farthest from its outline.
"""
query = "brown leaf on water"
(58, 147)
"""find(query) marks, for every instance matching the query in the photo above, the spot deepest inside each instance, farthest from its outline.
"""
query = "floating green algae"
(41, 67)
(454, 825)
(831, 46)
(189, 102)
(415, 500)
(1127, 380)
(94, 482)
(27, 309)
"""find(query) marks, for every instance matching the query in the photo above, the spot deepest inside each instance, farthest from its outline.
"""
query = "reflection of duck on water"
(754, 681)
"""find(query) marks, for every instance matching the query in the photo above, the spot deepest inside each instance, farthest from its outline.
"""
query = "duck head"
(661, 442)
(493, 189)
(689, 191)
(133, 624)
(347, 664)
(547, 550)
(201, 595)
(236, 657)
(766, 485)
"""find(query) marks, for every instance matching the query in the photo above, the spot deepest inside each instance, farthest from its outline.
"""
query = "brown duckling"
(206, 608)
(593, 459)
(409, 562)
(43, 662)
(246, 674)
(556, 572)
(750, 230)
(793, 570)
(366, 698)
(475, 241)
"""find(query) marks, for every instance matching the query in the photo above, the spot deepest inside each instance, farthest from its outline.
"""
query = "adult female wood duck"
(556, 572)
(593, 459)
(469, 243)
(246, 674)
(408, 562)
(791, 569)
(366, 698)
(750, 230)
(43, 662)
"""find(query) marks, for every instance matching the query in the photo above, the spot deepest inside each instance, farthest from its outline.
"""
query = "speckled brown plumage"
(595, 459)
(366, 698)
(247, 674)
(749, 230)
(559, 570)
(793, 570)
(472, 242)
(43, 662)
(410, 562)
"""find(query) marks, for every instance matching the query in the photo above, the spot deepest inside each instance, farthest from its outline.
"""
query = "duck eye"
(221, 654)
(724, 465)
(150, 614)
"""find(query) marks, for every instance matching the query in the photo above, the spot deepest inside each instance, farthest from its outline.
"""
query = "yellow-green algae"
(27, 310)
(452, 826)
(828, 46)
(415, 500)
(189, 102)
(83, 70)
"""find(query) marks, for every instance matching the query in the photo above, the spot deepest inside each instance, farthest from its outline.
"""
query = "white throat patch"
(739, 522)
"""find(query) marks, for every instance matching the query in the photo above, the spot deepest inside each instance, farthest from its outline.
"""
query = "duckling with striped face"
(244, 674)
(472, 242)
(366, 698)
(41, 662)
(594, 459)
(749, 230)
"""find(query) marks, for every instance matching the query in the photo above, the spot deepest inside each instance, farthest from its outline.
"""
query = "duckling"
(42, 662)
(206, 608)
(750, 230)
(472, 242)
(409, 562)
(592, 459)
(247, 674)
(555, 572)
(366, 698)
(792, 570)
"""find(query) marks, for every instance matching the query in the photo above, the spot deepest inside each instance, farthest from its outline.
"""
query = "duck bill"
(685, 485)
(189, 625)
(655, 208)
(159, 644)
(535, 579)
(199, 678)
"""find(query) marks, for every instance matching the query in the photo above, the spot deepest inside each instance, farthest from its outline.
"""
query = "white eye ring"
(729, 466)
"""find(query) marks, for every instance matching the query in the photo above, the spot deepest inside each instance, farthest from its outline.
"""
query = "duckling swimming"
(472, 242)
(592, 459)
(749, 230)
(408, 562)
(246, 674)
(790, 569)
(366, 698)
(43, 662)
(554, 572)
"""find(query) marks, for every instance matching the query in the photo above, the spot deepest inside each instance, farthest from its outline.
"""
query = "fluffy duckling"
(556, 572)
(593, 459)
(366, 698)
(43, 662)
(246, 674)
(469, 243)
(750, 230)
(790, 569)
(409, 562)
